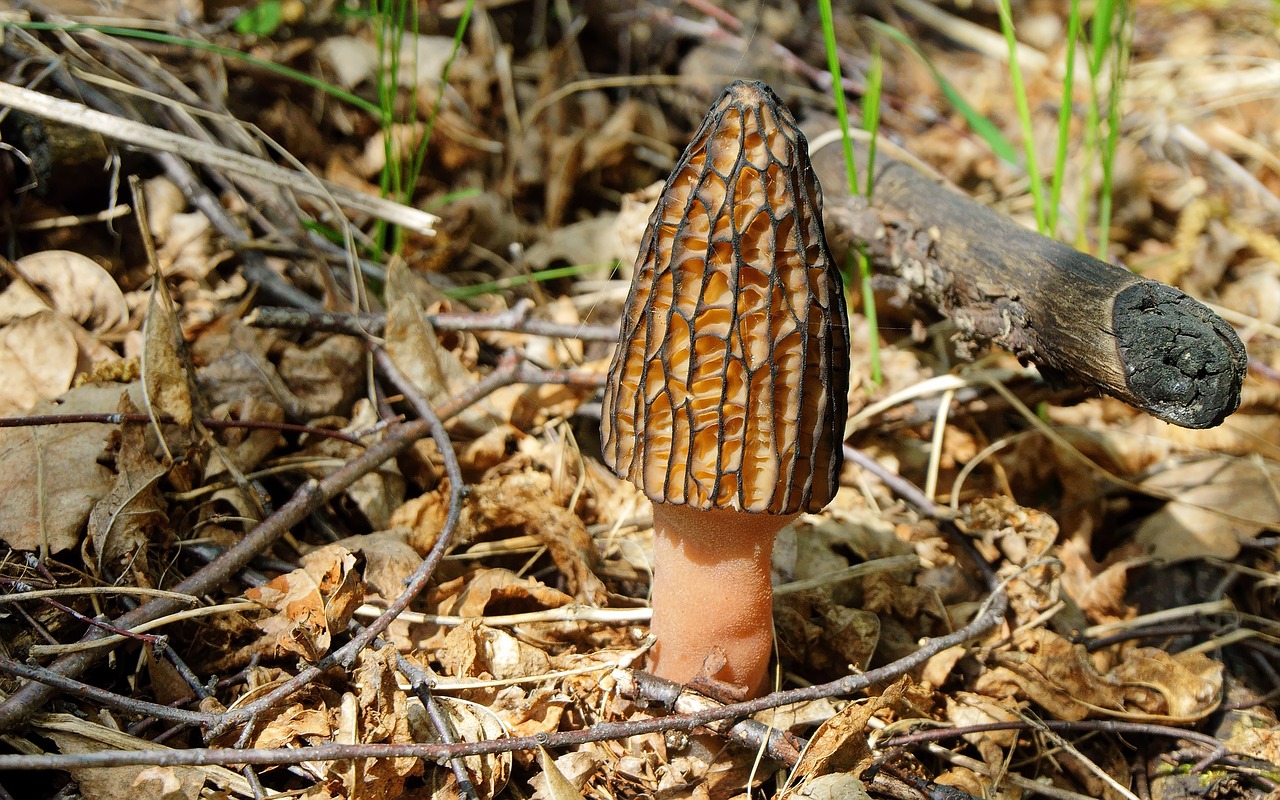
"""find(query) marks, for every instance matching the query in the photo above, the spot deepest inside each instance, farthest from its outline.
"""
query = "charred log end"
(1184, 363)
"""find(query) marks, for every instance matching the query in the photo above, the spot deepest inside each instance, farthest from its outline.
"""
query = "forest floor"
(217, 483)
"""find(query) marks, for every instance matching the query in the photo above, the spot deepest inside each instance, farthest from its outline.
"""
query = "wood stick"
(1138, 340)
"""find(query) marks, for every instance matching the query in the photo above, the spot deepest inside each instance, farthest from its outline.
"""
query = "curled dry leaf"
(473, 650)
(966, 709)
(164, 371)
(1099, 590)
(520, 501)
(308, 604)
(435, 370)
(376, 494)
(530, 713)
(1221, 502)
(38, 358)
(184, 241)
(75, 735)
(76, 285)
(471, 723)
(318, 374)
(1146, 684)
(840, 744)
(123, 524)
(823, 635)
(388, 560)
(383, 719)
(553, 784)
(54, 473)
(244, 448)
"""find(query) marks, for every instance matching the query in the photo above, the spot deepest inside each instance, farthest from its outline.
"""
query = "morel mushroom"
(726, 399)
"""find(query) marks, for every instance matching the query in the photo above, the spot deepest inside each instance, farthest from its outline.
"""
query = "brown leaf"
(375, 494)
(38, 358)
(388, 560)
(966, 709)
(298, 624)
(840, 744)
(74, 735)
(296, 725)
(321, 374)
(1221, 502)
(471, 723)
(1147, 685)
(436, 371)
(496, 591)
(77, 286)
(333, 569)
(552, 783)
(309, 603)
(383, 719)
(54, 473)
(834, 786)
(473, 650)
(520, 501)
(163, 370)
(122, 524)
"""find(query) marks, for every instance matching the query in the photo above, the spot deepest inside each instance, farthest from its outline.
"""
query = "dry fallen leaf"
(388, 561)
(54, 472)
(123, 524)
(472, 650)
(308, 604)
(38, 358)
(552, 783)
(1146, 684)
(375, 494)
(520, 500)
(1221, 502)
(75, 735)
(840, 744)
(471, 723)
(77, 286)
(163, 371)
(436, 371)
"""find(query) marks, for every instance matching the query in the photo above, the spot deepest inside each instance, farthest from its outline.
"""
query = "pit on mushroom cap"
(726, 399)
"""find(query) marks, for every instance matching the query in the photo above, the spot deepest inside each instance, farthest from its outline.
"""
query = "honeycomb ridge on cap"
(729, 385)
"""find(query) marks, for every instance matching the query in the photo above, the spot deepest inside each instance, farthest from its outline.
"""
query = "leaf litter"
(1138, 560)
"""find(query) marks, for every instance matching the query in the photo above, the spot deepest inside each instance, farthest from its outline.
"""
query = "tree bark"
(1139, 340)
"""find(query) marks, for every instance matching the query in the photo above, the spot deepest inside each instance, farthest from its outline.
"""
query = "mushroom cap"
(729, 386)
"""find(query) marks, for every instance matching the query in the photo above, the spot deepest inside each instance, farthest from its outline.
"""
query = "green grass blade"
(181, 41)
(837, 91)
(1024, 112)
(982, 127)
(1104, 15)
(851, 175)
(463, 23)
(871, 124)
(1064, 119)
(871, 114)
(489, 287)
(1120, 63)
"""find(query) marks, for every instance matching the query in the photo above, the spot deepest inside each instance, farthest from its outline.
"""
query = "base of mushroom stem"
(712, 596)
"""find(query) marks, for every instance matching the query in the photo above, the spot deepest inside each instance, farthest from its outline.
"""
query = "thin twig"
(988, 619)
(513, 320)
(120, 419)
(109, 699)
(418, 581)
(159, 140)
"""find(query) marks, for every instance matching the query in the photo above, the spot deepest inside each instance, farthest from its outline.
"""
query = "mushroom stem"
(712, 595)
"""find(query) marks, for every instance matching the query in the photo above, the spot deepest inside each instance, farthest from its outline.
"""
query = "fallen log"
(1141, 341)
